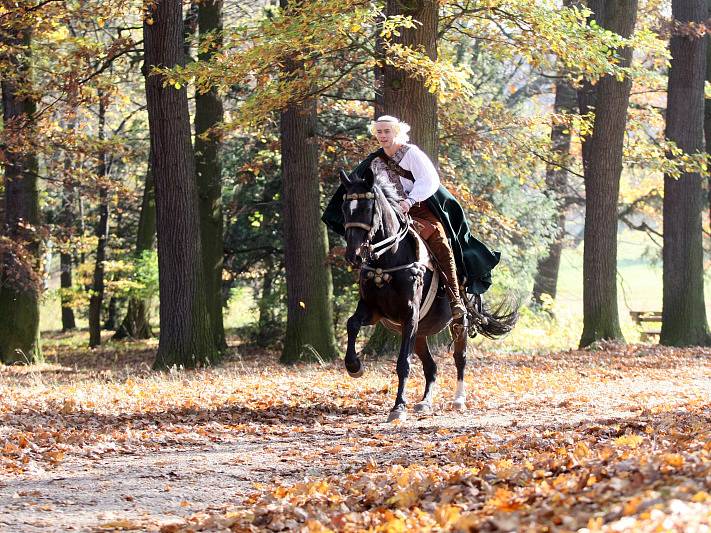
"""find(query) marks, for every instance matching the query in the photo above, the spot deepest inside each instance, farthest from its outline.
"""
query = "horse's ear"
(369, 178)
(345, 180)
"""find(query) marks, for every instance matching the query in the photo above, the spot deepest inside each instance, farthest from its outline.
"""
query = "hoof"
(358, 373)
(423, 407)
(459, 404)
(397, 414)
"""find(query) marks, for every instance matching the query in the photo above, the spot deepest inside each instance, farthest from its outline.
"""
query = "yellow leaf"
(631, 441)
(701, 497)
(581, 451)
(673, 459)
(302, 305)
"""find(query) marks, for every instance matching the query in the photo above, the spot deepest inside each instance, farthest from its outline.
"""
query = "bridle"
(375, 250)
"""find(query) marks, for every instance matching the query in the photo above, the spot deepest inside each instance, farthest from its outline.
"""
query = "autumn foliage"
(602, 440)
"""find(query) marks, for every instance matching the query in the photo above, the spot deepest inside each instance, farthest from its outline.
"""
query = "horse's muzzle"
(354, 258)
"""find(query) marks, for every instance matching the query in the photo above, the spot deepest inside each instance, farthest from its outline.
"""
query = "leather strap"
(392, 165)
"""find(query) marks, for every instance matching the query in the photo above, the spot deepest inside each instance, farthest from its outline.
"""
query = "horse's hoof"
(423, 407)
(358, 373)
(397, 414)
(459, 405)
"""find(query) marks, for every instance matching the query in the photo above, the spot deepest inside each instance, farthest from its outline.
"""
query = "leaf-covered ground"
(616, 439)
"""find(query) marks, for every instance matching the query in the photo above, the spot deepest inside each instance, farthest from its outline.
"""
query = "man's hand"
(405, 206)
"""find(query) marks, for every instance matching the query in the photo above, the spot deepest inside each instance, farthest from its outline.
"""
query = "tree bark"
(602, 186)
(209, 113)
(546, 280)
(405, 96)
(683, 308)
(309, 286)
(707, 110)
(66, 259)
(309, 327)
(19, 286)
(102, 233)
(136, 323)
(186, 337)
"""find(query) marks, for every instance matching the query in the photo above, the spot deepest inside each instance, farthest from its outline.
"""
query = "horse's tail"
(497, 320)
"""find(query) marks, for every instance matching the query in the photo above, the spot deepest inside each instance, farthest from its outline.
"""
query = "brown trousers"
(433, 232)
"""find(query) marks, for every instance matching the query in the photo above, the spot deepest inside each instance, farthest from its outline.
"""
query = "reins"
(381, 247)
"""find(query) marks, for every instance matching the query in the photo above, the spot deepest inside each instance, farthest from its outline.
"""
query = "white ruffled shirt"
(411, 158)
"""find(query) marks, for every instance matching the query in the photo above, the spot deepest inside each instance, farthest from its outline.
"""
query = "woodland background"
(165, 166)
(221, 127)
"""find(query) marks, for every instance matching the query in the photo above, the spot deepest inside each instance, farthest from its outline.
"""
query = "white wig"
(400, 128)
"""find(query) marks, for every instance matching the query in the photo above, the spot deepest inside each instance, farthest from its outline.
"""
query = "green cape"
(474, 260)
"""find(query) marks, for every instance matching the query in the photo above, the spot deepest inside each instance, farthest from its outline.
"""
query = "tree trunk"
(683, 308)
(209, 113)
(309, 286)
(707, 109)
(406, 96)
(66, 259)
(546, 281)
(309, 327)
(267, 323)
(111, 322)
(102, 233)
(136, 323)
(186, 337)
(602, 186)
(19, 284)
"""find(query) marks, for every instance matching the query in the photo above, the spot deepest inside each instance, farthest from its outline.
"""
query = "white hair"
(400, 128)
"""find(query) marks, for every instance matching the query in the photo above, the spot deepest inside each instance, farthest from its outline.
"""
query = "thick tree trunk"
(683, 308)
(19, 286)
(546, 281)
(707, 110)
(209, 113)
(102, 233)
(602, 186)
(136, 323)
(186, 337)
(405, 96)
(309, 327)
(309, 286)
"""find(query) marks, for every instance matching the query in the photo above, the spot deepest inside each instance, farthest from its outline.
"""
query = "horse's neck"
(406, 251)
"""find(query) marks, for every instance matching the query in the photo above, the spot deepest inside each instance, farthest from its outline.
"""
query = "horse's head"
(358, 213)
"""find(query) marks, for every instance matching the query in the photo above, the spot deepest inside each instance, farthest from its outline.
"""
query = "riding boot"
(432, 231)
(439, 245)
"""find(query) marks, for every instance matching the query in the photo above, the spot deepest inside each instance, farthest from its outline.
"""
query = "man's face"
(385, 134)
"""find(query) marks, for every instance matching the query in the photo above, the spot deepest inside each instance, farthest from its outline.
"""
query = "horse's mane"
(388, 214)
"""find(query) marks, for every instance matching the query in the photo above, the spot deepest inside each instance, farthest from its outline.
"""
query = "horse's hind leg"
(459, 334)
(361, 317)
(430, 369)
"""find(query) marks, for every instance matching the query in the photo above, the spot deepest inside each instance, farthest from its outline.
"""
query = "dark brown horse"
(394, 283)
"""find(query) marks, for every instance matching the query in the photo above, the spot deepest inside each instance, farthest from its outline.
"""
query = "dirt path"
(137, 451)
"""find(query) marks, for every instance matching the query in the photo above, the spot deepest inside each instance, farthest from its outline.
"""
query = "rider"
(439, 218)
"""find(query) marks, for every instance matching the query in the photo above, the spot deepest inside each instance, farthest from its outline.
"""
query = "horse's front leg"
(362, 316)
(409, 330)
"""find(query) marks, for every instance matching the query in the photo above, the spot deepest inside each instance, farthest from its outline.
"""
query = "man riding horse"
(439, 219)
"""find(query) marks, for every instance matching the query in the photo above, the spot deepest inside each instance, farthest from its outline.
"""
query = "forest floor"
(613, 439)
